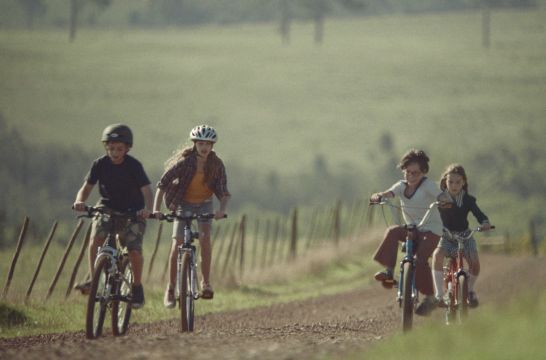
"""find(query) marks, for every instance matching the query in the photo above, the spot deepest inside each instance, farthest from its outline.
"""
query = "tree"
(32, 9)
(318, 9)
(76, 6)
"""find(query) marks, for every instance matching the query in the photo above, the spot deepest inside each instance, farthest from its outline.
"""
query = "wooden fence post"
(312, 225)
(242, 232)
(63, 260)
(157, 240)
(15, 257)
(228, 254)
(255, 243)
(294, 235)
(266, 241)
(218, 254)
(337, 222)
(274, 244)
(42, 256)
(84, 246)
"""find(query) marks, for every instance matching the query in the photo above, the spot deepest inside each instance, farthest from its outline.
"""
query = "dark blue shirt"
(119, 185)
(455, 217)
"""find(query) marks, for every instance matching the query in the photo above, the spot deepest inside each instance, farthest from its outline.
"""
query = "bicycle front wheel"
(121, 307)
(407, 296)
(462, 297)
(186, 294)
(98, 299)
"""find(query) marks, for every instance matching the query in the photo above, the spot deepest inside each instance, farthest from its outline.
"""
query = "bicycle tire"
(462, 297)
(407, 296)
(121, 310)
(186, 295)
(96, 302)
(451, 306)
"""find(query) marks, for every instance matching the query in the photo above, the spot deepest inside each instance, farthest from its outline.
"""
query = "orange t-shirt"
(197, 191)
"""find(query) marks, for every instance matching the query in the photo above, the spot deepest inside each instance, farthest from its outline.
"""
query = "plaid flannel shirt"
(175, 181)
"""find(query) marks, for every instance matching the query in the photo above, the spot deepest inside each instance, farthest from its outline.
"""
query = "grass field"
(426, 79)
(498, 332)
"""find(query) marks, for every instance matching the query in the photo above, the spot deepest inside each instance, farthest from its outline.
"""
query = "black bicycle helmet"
(118, 132)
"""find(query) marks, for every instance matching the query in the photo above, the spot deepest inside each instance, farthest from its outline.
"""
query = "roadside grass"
(326, 270)
(510, 331)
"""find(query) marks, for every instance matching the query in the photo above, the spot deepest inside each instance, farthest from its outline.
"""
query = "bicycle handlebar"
(468, 235)
(170, 217)
(91, 211)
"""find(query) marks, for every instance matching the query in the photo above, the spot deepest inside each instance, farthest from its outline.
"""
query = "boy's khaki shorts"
(130, 232)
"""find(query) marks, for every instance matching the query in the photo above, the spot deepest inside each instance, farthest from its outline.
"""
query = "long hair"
(212, 165)
(456, 169)
(415, 156)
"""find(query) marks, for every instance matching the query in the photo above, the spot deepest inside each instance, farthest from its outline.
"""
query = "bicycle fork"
(408, 246)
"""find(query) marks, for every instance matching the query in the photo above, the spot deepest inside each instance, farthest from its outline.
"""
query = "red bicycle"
(456, 277)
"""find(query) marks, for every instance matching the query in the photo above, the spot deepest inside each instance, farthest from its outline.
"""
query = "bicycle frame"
(108, 278)
(187, 289)
(187, 247)
(407, 294)
(456, 279)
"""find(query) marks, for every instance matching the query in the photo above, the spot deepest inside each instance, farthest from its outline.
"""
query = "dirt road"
(308, 329)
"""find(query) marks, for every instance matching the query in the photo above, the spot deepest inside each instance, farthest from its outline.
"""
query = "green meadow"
(424, 79)
(421, 81)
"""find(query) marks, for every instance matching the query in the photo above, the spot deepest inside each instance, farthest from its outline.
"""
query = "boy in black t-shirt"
(124, 187)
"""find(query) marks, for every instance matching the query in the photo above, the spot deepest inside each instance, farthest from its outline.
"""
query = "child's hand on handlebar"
(143, 213)
(78, 206)
(219, 215)
(376, 198)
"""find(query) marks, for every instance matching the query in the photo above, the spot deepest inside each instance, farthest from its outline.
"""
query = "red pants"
(426, 243)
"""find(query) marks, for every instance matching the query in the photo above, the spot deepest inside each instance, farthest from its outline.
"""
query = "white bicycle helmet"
(203, 133)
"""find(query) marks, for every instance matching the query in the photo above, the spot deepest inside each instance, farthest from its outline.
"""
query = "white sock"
(438, 277)
(471, 281)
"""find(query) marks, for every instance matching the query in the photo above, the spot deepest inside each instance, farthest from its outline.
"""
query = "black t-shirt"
(119, 185)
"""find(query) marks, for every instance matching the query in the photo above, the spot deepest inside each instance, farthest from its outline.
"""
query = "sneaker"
(425, 308)
(169, 301)
(386, 278)
(473, 299)
(138, 297)
(83, 287)
(206, 291)
(442, 303)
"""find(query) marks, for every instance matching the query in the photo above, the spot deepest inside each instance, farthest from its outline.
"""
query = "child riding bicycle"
(193, 175)
(454, 183)
(124, 187)
(416, 192)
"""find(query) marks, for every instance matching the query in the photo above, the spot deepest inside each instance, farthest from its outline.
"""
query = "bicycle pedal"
(389, 284)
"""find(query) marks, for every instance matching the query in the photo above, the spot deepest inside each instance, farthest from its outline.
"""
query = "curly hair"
(456, 169)
(211, 166)
(415, 156)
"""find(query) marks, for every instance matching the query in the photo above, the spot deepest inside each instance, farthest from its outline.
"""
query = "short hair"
(415, 156)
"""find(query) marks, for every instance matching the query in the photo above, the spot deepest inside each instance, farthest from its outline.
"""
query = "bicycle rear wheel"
(462, 297)
(97, 301)
(186, 294)
(121, 307)
(407, 296)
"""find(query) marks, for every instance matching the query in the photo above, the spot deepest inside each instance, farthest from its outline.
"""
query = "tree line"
(159, 13)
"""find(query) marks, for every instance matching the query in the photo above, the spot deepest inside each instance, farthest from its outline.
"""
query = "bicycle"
(407, 294)
(186, 289)
(456, 277)
(111, 281)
